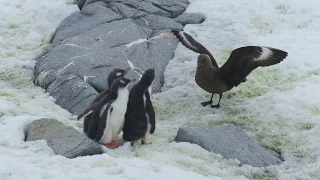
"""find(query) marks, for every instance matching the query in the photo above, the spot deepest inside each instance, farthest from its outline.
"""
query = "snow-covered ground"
(279, 105)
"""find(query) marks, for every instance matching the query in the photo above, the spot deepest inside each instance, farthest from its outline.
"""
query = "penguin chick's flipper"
(86, 112)
(113, 145)
(146, 142)
(94, 122)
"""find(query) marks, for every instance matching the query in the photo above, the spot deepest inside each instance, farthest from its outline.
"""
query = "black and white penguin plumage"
(107, 117)
(140, 116)
(114, 74)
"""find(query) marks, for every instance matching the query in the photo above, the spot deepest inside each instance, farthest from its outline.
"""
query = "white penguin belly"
(115, 119)
(107, 132)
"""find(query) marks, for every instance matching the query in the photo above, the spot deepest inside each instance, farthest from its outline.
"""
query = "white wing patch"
(186, 40)
(265, 54)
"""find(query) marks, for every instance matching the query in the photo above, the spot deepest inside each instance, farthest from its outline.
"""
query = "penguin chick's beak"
(132, 80)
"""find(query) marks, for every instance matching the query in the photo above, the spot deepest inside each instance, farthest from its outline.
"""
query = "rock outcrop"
(107, 34)
(231, 142)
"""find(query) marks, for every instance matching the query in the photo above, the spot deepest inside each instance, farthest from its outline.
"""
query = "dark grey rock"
(169, 3)
(72, 93)
(166, 8)
(125, 10)
(63, 140)
(160, 58)
(157, 22)
(88, 18)
(231, 142)
(104, 35)
(175, 7)
(144, 6)
(190, 18)
(147, 31)
(73, 72)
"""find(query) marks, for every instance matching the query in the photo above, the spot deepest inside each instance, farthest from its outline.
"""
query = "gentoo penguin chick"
(114, 74)
(107, 117)
(140, 116)
(240, 64)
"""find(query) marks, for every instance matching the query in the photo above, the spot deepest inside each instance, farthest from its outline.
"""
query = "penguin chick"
(114, 74)
(140, 116)
(107, 116)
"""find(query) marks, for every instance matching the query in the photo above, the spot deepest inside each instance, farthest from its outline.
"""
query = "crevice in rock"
(142, 10)
(95, 87)
(80, 91)
(49, 83)
(101, 66)
(91, 84)
(160, 7)
(53, 36)
(153, 34)
(132, 6)
(57, 88)
(80, 144)
(185, 2)
(117, 12)
(46, 51)
(148, 44)
(78, 76)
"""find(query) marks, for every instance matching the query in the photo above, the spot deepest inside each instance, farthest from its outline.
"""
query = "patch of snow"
(279, 105)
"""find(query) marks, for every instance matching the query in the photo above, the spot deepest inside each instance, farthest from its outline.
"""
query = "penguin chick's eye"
(119, 73)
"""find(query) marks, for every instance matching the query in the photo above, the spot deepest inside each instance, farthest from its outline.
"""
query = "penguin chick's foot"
(145, 142)
(113, 145)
